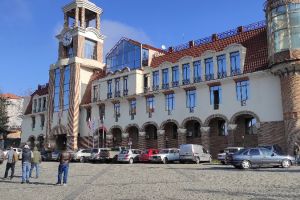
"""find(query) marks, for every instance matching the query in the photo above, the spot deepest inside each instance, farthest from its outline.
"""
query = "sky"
(28, 27)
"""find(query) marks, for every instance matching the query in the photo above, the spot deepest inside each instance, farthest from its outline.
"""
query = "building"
(14, 109)
(236, 88)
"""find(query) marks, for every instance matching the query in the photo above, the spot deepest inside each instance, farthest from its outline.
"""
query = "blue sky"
(28, 29)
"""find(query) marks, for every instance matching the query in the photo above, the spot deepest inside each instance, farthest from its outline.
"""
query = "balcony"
(155, 87)
(209, 77)
(125, 93)
(117, 94)
(191, 109)
(165, 86)
(132, 116)
(95, 99)
(109, 95)
(175, 83)
(216, 106)
(197, 79)
(243, 103)
(169, 112)
(235, 72)
(146, 89)
(222, 75)
(186, 82)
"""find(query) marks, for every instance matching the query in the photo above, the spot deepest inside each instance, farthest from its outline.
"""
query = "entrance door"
(61, 142)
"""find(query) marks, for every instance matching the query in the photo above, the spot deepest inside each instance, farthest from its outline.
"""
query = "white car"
(165, 156)
(223, 157)
(18, 150)
(193, 153)
(129, 155)
(82, 155)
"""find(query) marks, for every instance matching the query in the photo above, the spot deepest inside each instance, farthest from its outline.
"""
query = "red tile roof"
(9, 96)
(87, 97)
(255, 42)
(42, 90)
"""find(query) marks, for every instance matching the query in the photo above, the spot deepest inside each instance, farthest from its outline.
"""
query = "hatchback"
(129, 155)
(146, 154)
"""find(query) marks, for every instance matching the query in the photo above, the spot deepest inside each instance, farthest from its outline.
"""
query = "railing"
(197, 79)
(165, 86)
(202, 41)
(227, 34)
(216, 106)
(181, 47)
(235, 72)
(209, 77)
(169, 112)
(125, 93)
(222, 75)
(146, 89)
(254, 26)
(192, 109)
(109, 95)
(175, 83)
(155, 87)
(117, 94)
(186, 82)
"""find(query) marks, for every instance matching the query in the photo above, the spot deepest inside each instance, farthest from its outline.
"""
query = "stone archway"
(116, 137)
(193, 130)
(171, 133)
(151, 135)
(133, 136)
(59, 138)
(41, 142)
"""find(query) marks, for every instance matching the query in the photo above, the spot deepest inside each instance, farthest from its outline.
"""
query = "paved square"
(155, 181)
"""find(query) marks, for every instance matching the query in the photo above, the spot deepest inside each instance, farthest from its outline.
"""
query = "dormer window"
(209, 69)
(34, 106)
(235, 63)
(186, 74)
(221, 66)
(145, 58)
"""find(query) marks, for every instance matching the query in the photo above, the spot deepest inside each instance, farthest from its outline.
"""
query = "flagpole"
(103, 131)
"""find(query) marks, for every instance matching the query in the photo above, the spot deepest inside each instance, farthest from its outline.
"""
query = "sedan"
(260, 157)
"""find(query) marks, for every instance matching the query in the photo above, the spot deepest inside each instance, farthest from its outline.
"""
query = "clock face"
(67, 39)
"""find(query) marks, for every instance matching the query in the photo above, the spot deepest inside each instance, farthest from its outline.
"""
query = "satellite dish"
(163, 47)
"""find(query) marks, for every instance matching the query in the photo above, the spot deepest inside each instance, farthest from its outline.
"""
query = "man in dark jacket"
(26, 160)
(12, 158)
(63, 167)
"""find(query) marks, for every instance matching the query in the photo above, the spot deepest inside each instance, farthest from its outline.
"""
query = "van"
(193, 153)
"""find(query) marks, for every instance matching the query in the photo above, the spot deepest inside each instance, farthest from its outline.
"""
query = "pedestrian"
(12, 158)
(63, 167)
(297, 152)
(26, 160)
(35, 163)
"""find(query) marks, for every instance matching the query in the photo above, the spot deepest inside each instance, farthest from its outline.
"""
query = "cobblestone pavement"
(155, 181)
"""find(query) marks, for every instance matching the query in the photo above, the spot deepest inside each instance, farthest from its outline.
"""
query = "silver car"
(129, 155)
(82, 155)
(165, 156)
(223, 157)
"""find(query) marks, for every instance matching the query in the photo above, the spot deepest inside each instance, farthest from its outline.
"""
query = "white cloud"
(114, 31)
(14, 11)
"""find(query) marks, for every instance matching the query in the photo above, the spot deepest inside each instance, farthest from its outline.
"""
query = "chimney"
(39, 87)
(240, 29)
(170, 50)
(191, 43)
(214, 37)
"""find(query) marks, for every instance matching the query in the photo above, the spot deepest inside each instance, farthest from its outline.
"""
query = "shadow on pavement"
(31, 183)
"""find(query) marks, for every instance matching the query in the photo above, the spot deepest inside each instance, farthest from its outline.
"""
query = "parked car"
(129, 155)
(54, 155)
(17, 150)
(260, 157)
(114, 152)
(1, 156)
(46, 155)
(97, 154)
(223, 157)
(165, 156)
(193, 153)
(146, 154)
(82, 155)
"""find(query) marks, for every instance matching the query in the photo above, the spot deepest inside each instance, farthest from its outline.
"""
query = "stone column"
(83, 17)
(161, 139)
(125, 139)
(142, 140)
(72, 143)
(181, 136)
(230, 136)
(98, 21)
(205, 137)
(76, 17)
(66, 21)
(109, 138)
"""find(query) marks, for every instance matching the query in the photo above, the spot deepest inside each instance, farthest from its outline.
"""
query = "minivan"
(193, 153)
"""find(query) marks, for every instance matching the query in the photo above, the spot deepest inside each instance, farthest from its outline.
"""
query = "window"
(34, 105)
(95, 92)
(254, 152)
(186, 74)
(145, 58)
(215, 96)
(175, 76)
(235, 63)
(40, 105)
(197, 71)
(174, 131)
(165, 79)
(33, 123)
(125, 86)
(250, 128)
(221, 66)
(66, 87)
(155, 80)
(117, 87)
(209, 69)
(150, 105)
(88, 114)
(242, 91)
(56, 90)
(69, 51)
(44, 103)
(294, 18)
(42, 121)
(191, 100)
(222, 128)
(146, 83)
(117, 111)
(109, 89)
(90, 49)
(102, 111)
(170, 102)
(132, 108)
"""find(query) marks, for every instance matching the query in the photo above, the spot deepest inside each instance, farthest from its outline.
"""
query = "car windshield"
(164, 151)
(95, 151)
(124, 152)
(240, 151)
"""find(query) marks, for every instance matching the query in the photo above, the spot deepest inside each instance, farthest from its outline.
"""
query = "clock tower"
(80, 54)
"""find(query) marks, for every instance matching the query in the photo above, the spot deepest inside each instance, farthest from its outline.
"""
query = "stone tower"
(283, 18)
(80, 53)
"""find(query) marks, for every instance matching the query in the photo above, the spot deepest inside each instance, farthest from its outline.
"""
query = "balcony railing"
(169, 112)
(186, 82)
(146, 89)
(197, 79)
(95, 99)
(175, 83)
(125, 93)
(165, 86)
(117, 94)
(235, 72)
(191, 109)
(209, 77)
(155, 87)
(222, 75)
(243, 103)
(216, 106)
(132, 116)
(109, 95)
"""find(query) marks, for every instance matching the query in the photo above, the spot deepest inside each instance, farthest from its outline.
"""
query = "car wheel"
(197, 160)
(223, 162)
(165, 160)
(82, 160)
(286, 163)
(246, 164)
(130, 161)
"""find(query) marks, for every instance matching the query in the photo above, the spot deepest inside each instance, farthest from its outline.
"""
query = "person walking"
(35, 163)
(12, 158)
(63, 167)
(26, 160)
(297, 152)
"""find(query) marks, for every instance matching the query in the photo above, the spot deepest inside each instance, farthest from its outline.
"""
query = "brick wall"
(240, 138)
(217, 143)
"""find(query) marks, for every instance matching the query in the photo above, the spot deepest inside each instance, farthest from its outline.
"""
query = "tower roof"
(82, 4)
